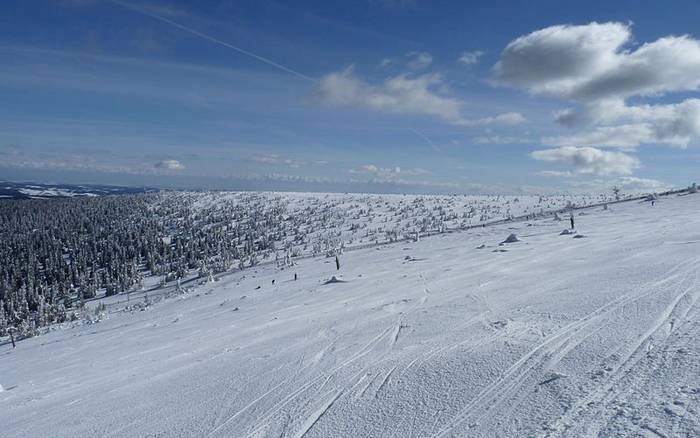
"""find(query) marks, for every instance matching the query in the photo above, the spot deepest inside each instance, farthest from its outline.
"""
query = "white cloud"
(419, 60)
(388, 172)
(267, 158)
(593, 66)
(294, 164)
(590, 161)
(634, 183)
(169, 165)
(499, 139)
(365, 168)
(402, 94)
(470, 58)
(623, 136)
(628, 185)
(386, 62)
(557, 173)
(590, 62)
(618, 125)
(501, 119)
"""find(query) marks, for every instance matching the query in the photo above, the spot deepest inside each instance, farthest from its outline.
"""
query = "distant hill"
(28, 190)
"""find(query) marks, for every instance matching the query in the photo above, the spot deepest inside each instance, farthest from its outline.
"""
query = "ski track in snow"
(557, 337)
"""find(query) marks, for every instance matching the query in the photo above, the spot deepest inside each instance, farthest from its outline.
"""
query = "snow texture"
(555, 337)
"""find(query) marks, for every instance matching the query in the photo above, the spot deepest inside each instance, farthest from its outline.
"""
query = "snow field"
(545, 336)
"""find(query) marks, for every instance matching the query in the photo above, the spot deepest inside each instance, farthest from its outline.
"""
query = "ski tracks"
(590, 408)
(542, 358)
(391, 333)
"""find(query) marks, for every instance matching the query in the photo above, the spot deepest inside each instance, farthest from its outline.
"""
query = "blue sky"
(415, 96)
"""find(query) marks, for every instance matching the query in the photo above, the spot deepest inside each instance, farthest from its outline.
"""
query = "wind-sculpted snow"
(549, 336)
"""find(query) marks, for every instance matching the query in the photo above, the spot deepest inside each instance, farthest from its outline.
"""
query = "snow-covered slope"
(553, 335)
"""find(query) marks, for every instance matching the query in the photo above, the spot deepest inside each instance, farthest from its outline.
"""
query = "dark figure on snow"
(337, 263)
(273, 282)
(652, 202)
(572, 220)
(295, 276)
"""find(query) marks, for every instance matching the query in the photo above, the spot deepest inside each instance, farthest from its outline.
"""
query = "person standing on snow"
(572, 220)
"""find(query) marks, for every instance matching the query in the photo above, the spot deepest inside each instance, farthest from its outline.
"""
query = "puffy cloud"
(470, 58)
(399, 94)
(619, 125)
(419, 60)
(589, 62)
(402, 94)
(169, 165)
(623, 136)
(593, 66)
(588, 160)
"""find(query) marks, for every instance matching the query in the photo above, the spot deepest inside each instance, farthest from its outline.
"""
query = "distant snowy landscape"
(28, 190)
(445, 316)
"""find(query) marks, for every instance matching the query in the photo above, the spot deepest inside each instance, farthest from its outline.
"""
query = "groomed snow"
(547, 336)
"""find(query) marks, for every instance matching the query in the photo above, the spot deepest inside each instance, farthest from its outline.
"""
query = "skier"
(337, 263)
(572, 220)
(295, 276)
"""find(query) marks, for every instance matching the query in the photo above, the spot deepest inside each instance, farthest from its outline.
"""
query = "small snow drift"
(512, 238)
(482, 246)
(566, 232)
(579, 236)
(334, 279)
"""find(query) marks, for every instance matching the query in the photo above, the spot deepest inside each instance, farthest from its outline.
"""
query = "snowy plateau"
(461, 331)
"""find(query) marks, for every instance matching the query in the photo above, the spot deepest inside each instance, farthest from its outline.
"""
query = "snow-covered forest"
(58, 253)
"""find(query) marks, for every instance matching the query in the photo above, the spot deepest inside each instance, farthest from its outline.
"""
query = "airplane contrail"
(425, 137)
(211, 38)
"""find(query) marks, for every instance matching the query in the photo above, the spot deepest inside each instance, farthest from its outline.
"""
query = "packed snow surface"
(545, 336)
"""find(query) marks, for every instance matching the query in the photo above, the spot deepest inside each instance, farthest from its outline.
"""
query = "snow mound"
(512, 238)
(482, 246)
(566, 232)
(579, 236)
(334, 279)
